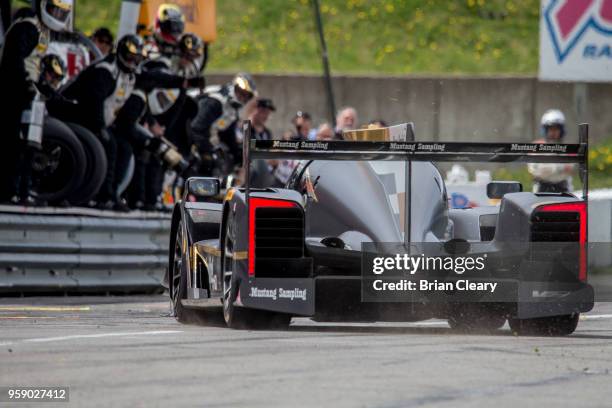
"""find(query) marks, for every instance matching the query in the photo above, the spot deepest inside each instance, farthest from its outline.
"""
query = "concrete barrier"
(443, 108)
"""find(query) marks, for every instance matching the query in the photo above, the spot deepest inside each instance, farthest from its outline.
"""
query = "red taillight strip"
(255, 203)
(581, 208)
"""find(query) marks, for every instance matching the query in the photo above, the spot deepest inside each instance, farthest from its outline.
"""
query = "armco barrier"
(81, 250)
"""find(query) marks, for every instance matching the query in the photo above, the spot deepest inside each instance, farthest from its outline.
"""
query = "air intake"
(555, 226)
(279, 233)
(276, 232)
(563, 222)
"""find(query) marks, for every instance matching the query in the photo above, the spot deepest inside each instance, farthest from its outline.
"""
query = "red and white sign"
(576, 40)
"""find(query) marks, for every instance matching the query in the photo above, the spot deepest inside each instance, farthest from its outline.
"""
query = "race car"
(270, 254)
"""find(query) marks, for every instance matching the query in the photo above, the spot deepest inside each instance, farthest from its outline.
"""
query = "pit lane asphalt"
(126, 351)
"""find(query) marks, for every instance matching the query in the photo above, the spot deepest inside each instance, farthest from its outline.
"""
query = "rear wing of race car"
(397, 143)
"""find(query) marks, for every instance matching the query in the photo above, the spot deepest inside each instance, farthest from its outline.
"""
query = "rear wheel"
(478, 318)
(239, 317)
(545, 326)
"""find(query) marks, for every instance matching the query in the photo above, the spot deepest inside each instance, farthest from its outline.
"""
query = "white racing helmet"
(553, 117)
(56, 14)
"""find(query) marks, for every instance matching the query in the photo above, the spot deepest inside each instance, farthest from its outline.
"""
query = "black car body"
(273, 253)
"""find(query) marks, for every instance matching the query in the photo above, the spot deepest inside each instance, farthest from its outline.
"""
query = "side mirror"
(497, 189)
(203, 187)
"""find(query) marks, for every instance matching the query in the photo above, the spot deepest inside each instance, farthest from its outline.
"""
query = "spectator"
(302, 121)
(103, 39)
(377, 124)
(345, 120)
(325, 132)
(259, 116)
(552, 177)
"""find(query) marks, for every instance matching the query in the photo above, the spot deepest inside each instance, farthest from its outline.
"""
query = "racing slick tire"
(58, 166)
(178, 280)
(95, 172)
(545, 326)
(476, 318)
(177, 287)
(237, 317)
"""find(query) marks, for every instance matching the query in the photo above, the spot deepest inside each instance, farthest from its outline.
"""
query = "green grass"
(365, 36)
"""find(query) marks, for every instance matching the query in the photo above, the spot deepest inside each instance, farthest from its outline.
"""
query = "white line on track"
(91, 336)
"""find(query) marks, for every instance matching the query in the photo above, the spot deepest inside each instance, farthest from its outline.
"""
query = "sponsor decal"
(283, 144)
(568, 21)
(552, 148)
(409, 147)
(433, 147)
(515, 147)
(418, 147)
(314, 145)
(538, 147)
(279, 293)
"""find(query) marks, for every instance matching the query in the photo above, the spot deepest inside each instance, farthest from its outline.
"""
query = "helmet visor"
(132, 60)
(242, 95)
(58, 10)
(132, 56)
(172, 29)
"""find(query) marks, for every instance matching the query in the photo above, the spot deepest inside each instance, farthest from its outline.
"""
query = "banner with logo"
(576, 40)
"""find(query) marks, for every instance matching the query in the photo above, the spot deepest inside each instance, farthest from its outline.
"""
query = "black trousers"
(11, 155)
(118, 154)
(228, 137)
(146, 185)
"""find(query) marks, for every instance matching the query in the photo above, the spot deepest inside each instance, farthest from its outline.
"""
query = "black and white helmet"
(52, 70)
(242, 89)
(130, 52)
(191, 47)
(55, 14)
(169, 26)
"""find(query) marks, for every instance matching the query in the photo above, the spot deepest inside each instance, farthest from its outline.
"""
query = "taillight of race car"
(562, 222)
(276, 231)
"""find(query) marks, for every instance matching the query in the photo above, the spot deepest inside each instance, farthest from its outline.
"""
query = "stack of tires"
(71, 166)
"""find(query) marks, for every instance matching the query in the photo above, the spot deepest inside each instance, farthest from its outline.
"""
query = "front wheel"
(178, 277)
(545, 326)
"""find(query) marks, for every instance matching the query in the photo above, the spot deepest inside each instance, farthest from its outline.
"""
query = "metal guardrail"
(78, 250)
